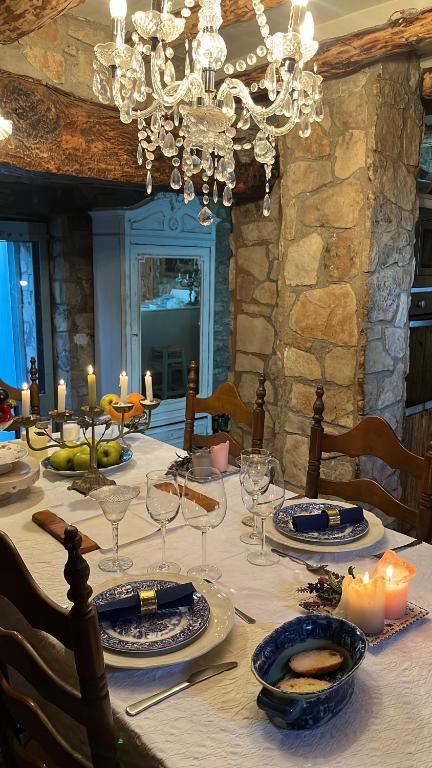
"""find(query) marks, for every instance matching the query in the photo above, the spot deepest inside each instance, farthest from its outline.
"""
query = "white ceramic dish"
(375, 533)
(220, 625)
(9, 454)
(22, 475)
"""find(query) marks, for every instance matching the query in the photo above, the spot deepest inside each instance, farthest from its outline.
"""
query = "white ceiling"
(332, 18)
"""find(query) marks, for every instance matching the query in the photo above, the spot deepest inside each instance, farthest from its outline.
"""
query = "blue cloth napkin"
(177, 596)
(319, 521)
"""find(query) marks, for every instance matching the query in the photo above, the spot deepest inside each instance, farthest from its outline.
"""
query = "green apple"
(81, 460)
(63, 459)
(109, 454)
(107, 401)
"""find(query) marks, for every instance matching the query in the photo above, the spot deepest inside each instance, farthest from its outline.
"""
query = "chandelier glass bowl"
(200, 117)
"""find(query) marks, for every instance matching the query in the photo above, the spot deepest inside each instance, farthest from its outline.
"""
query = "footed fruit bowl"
(123, 457)
(300, 707)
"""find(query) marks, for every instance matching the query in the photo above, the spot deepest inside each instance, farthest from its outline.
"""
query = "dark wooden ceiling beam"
(233, 11)
(56, 132)
(19, 18)
(345, 55)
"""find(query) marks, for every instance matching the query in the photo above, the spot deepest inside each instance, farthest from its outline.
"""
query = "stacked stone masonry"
(61, 54)
(321, 291)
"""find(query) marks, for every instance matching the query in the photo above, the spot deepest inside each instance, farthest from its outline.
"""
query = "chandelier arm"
(182, 86)
(237, 88)
(275, 131)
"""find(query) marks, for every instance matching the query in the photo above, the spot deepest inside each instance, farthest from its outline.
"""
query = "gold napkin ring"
(334, 517)
(148, 601)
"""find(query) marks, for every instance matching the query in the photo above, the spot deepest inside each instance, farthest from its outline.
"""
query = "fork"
(241, 614)
(312, 567)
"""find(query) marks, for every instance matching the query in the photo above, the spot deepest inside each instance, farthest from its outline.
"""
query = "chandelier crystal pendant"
(200, 120)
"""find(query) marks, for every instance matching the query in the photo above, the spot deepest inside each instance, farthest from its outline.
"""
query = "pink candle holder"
(397, 574)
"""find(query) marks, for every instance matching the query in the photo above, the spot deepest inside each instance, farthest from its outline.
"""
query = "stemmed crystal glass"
(163, 503)
(270, 500)
(256, 460)
(204, 506)
(114, 501)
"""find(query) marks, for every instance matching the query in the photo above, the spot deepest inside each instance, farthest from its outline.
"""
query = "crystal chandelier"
(199, 118)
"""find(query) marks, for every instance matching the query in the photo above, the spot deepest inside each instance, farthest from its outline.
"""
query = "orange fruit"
(133, 398)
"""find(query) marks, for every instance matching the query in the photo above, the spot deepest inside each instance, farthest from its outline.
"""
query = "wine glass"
(114, 501)
(269, 501)
(204, 507)
(163, 503)
(256, 457)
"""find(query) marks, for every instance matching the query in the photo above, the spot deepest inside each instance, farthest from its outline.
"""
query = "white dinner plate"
(220, 625)
(375, 533)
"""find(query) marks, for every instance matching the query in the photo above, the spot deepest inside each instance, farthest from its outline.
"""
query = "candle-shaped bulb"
(366, 578)
(307, 29)
(389, 573)
(118, 9)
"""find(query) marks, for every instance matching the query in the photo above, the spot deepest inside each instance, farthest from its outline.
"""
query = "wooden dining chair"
(372, 436)
(225, 400)
(28, 738)
(16, 393)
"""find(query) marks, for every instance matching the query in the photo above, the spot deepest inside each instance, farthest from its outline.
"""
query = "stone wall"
(61, 53)
(322, 295)
(71, 267)
(254, 301)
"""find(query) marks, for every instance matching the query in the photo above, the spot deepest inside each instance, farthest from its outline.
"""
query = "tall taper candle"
(149, 387)
(123, 387)
(91, 384)
(61, 396)
(25, 400)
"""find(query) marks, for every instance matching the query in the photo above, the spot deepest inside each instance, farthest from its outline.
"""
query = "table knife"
(414, 543)
(193, 679)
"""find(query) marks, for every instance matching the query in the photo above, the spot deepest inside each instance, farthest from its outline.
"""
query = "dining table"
(387, 723)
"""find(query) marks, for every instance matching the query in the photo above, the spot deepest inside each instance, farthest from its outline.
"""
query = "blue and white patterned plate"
(341, 534)
(165, 632)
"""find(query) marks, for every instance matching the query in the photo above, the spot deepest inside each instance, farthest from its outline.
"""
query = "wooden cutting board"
(55, 526)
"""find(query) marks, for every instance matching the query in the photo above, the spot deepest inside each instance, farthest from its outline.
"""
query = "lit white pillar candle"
(364, 601)
(91, 385)
(123, 387)
(61, 396)
(149, 387)
(25, 400)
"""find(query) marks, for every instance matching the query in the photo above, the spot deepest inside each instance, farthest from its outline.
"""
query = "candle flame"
(25, 385)
(61, 382)
(366, 578)
(90, 370)
(389, 572)
(123, 373)
(148, 373)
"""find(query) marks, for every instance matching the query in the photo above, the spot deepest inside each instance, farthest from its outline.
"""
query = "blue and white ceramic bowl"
(304, 711)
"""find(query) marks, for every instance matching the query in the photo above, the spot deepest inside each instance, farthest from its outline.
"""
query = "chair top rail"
(225, 400)
(373, 436)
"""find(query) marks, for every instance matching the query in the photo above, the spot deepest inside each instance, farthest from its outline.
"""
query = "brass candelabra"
(90, 418)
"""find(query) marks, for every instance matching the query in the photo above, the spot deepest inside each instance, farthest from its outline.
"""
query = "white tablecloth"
(388, 723)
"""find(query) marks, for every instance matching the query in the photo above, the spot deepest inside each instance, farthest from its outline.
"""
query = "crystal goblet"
(114, 501)
(163, 502)
(204, 506)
